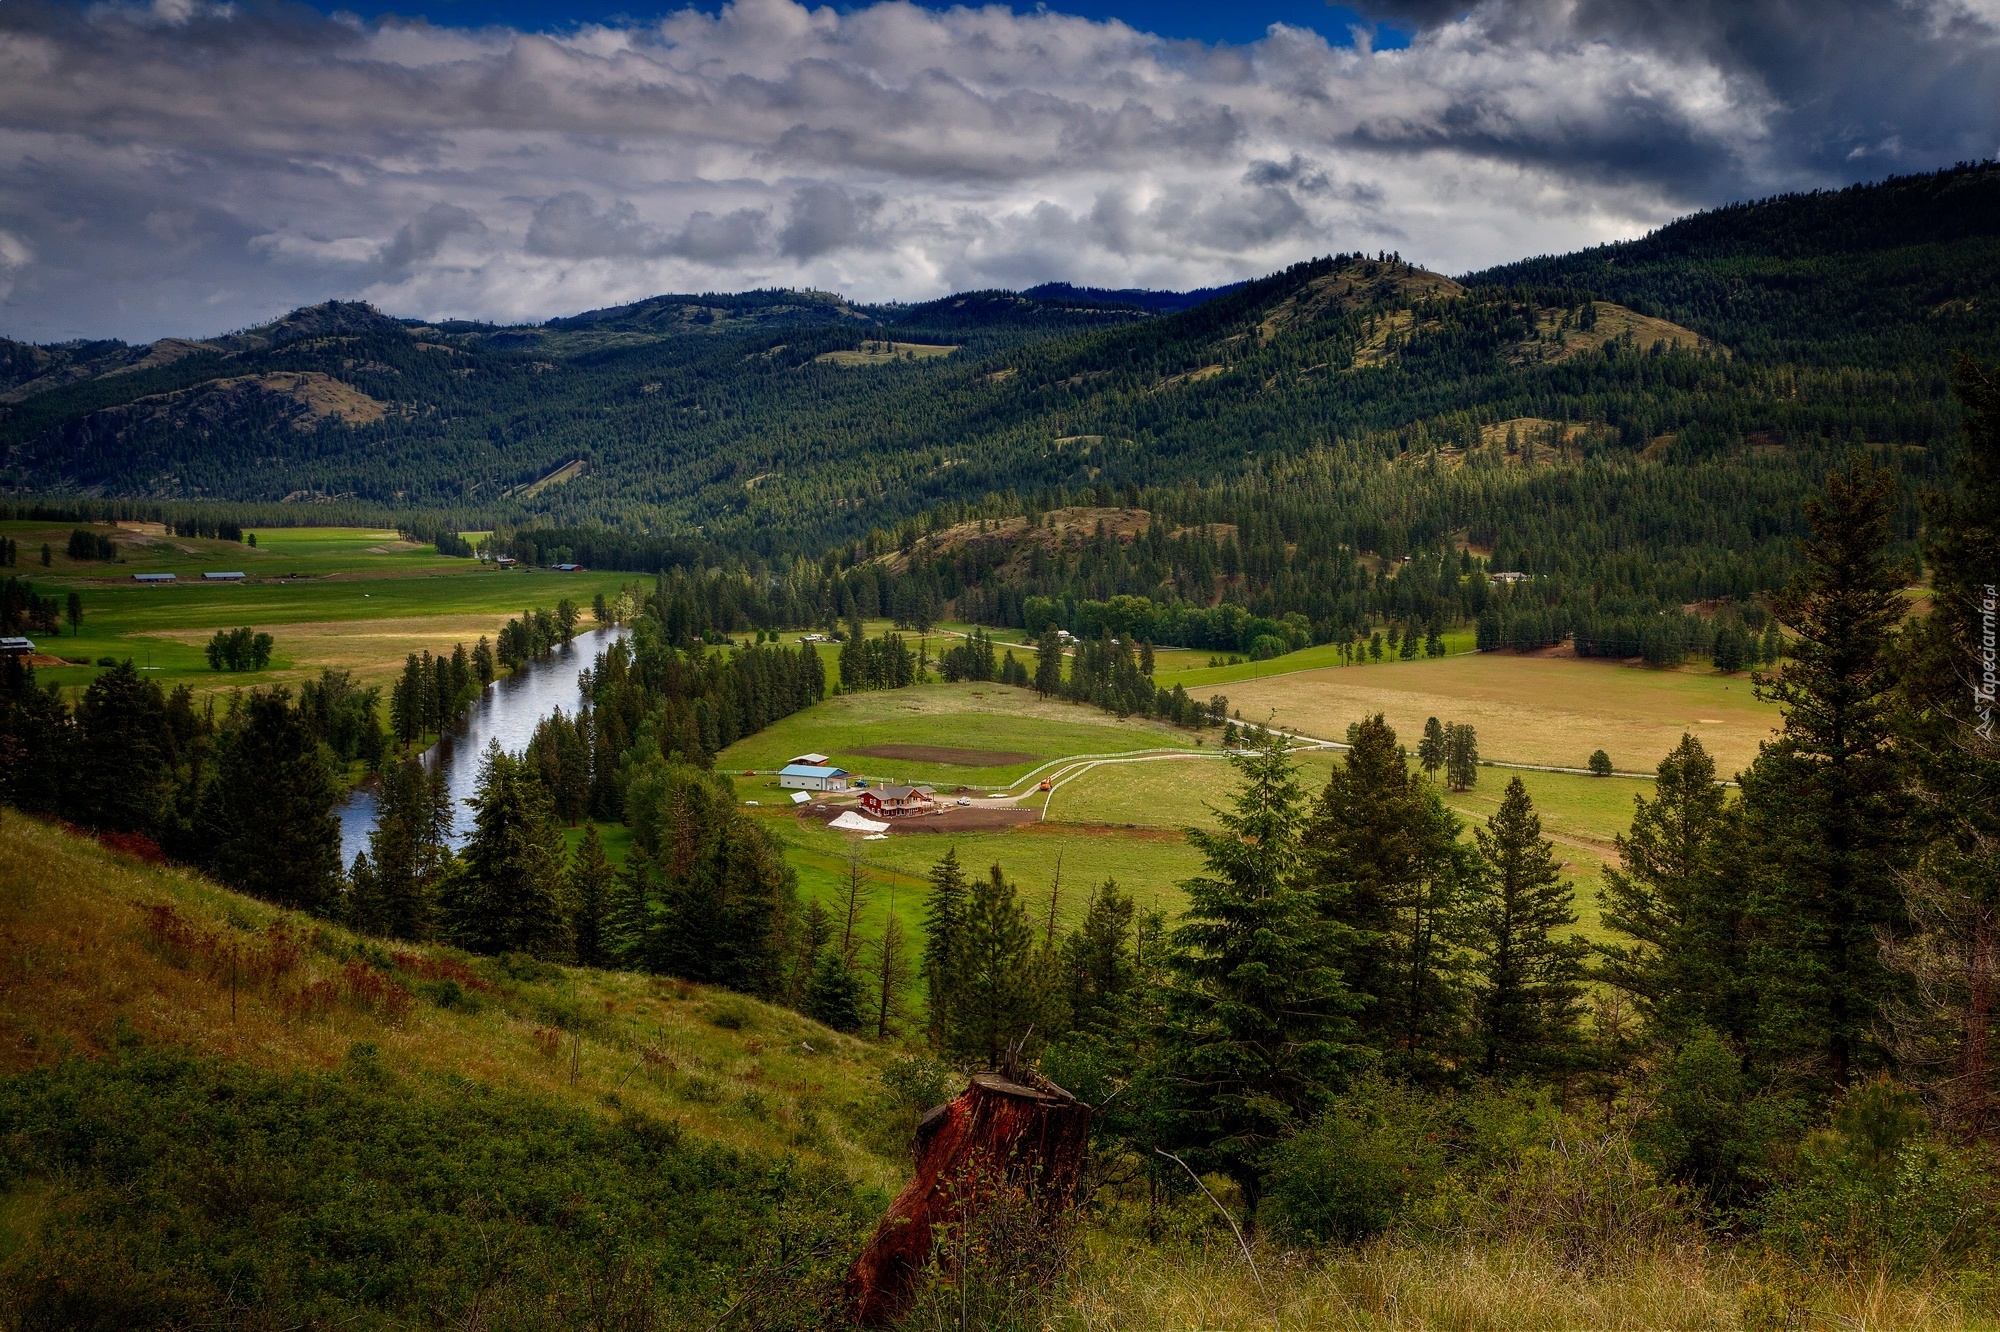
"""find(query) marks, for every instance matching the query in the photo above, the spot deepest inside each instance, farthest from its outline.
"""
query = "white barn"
(811, 777)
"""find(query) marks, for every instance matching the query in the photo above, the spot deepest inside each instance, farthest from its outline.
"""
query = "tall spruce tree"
(1530, 976)
(998, 995)
(1825, 799)
(267, 820)
(118, 771)
(1259, 1027)
(1382, 859)
(1431, 749)
(409, 853)
(1680, 897)
(944, 923)
(592, 884)
(507, 895)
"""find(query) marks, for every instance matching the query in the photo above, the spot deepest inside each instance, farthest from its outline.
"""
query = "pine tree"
(507, 895)
(1431, 749)
(944, 923)
(815, 932)
(1259, 1026)
(1530, 982)
(267, 821)
(834, 996)
(1048, 664)
(592, 881)
(998, 995)
(1461, 756)
(1825, 800)
(1382, 858)
(1679, 897)
(409, 854)
(1097, 965)
(855, 894)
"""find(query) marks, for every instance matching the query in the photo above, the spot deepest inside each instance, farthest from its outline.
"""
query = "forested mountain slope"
(1757, 336)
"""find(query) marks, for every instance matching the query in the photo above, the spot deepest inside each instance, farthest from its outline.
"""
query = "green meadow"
(357, 599)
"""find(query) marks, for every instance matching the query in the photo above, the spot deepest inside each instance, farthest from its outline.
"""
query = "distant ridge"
(1153, 302)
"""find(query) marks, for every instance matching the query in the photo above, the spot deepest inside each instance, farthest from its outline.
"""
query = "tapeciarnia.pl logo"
(1989, 662)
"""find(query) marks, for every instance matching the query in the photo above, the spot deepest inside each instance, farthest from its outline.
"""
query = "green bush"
(918, 1082)
(1872, 1191)
(1710, 1130)
(180, 1193)
(1352, 1172)
(1600, 764)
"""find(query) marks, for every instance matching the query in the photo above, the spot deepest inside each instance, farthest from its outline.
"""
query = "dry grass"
(78, 962)
(1528, 709)
(1402, 1285)
(373, 650)
(884, 353)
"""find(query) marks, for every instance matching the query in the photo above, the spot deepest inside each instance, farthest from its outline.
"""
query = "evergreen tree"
(267, 819)
(815, 932)
(1461, 756)
(1530, 982)
(507, 894)
(1258, 1028)
(592, 884)
(998, 995)
(834, 996)
(1097, 964)
(74, 610)
(1048, 664)
(1431, 749)
(1382, 859)
(1679, 896)
(409, 854)
(1825, 800)
(117, 773)
(944, 923)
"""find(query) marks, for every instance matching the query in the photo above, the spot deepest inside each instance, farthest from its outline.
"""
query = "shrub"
(1352, 1172)
(1873, 1191)
(1708, 1129)
(918, 1082)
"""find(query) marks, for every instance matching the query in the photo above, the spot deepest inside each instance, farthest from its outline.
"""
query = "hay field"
(1528, 709)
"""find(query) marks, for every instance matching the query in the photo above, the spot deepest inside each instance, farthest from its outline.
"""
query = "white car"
(753, 802)
(965, 800)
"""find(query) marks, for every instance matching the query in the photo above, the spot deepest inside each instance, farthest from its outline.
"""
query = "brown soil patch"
(957, 758)
(1132, 830)
(952, 820)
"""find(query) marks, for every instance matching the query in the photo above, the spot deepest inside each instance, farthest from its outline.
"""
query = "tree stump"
(998, 1133)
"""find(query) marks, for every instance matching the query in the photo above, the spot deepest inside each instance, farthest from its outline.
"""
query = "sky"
(186, 167)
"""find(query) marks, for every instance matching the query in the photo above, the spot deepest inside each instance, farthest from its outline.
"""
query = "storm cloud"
(188, 168)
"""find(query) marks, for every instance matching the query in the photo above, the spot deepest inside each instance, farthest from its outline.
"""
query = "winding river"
(508, 711)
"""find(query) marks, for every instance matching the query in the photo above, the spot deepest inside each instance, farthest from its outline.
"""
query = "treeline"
(246, 793)
(1113, 675)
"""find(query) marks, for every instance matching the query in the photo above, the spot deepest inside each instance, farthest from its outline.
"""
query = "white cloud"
(890, 152)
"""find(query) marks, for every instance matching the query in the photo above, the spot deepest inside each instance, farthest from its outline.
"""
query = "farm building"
(152, 578)
(231, 577)
(567, 568)
(811, 777)
(812, 760)
(892, 801)
(16, 647)
(1509, 577)
(504, 561)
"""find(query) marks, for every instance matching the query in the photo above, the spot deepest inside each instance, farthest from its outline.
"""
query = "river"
(508, 711)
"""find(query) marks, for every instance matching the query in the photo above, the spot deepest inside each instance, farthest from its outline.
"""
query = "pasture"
(1001, 721)
(1548, 710)
(357, 599)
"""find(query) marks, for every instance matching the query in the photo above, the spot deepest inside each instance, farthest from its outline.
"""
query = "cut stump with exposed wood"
(999, 1133)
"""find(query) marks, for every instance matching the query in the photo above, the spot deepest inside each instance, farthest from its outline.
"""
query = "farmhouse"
(152, 578)
(230, 577)
(811, 777)
(892, 801)
(1508, 577)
